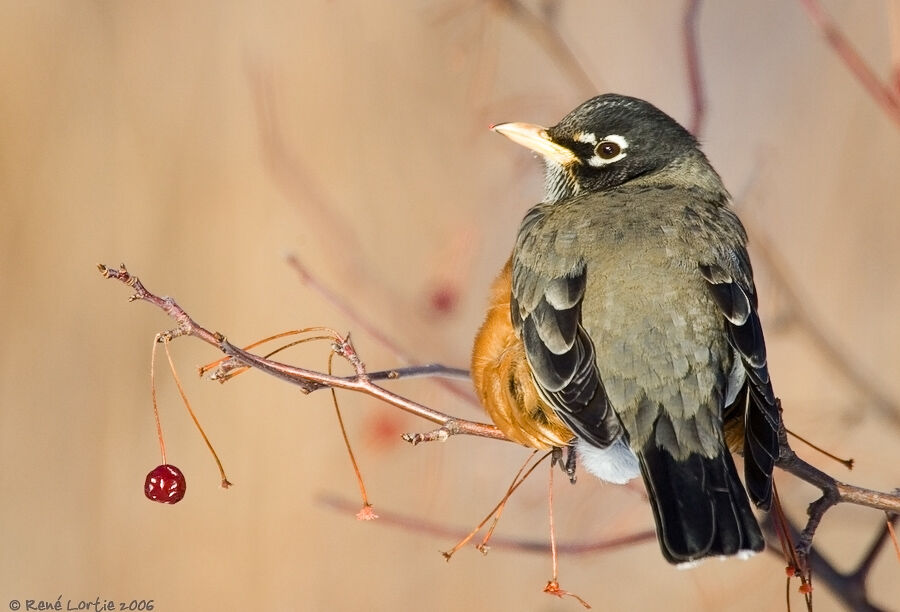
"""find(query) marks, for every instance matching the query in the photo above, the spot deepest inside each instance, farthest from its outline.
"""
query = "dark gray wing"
(754, 401)
(547, 292)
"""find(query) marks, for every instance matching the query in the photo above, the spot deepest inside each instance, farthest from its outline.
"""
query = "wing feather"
(546, 312)
(756, 405)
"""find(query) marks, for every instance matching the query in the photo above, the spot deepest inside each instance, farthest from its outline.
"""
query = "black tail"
(700, 506)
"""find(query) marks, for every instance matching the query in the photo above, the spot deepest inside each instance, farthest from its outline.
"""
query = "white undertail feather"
(743, 555)
(616, 463)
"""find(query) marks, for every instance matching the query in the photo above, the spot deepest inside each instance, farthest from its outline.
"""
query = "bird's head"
(611, 140)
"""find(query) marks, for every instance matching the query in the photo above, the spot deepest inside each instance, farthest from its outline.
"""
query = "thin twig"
(847, 463)
(497, 509)
(187, 404)
(219, 363)
(483, 545)
(553, 552)
(889, 525)
(694, 72)
(833, 491)
(553, 587)
(154, 400)
(418, 525)
(883, 95)
(366, 513)
(849, 587)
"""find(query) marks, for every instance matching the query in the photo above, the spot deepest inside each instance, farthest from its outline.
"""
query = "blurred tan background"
(203, 142)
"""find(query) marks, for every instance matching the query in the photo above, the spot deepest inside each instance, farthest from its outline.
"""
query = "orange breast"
(503, 379)
(734, 431)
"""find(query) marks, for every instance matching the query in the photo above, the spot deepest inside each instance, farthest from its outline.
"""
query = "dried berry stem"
(159, 433)
(187, 404)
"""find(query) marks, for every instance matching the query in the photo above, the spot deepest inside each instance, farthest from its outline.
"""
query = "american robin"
(625, 325)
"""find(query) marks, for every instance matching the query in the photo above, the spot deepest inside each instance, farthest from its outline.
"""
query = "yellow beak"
(536, 138)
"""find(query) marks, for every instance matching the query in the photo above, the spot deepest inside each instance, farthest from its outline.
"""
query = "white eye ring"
(598, 162)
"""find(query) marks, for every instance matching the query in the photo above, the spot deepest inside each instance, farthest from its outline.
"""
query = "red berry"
(165, 484)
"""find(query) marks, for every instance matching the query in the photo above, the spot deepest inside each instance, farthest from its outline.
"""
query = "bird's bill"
(537, 139)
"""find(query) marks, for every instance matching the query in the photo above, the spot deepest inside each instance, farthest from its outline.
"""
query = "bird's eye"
(607, 149)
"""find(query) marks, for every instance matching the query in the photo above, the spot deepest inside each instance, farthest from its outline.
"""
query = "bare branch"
(833, 491)
(307, 380)
(428, 370)
(186, 325)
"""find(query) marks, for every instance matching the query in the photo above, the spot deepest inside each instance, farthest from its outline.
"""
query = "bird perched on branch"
(625, 325)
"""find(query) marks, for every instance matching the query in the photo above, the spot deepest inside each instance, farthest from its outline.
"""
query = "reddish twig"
(495, 513)
(883, 95)
(187, 404)
(694, 73)
(155, 402)
(892, 535)
(415, 524)
(367, 513)
(518, 479)
(850, 586)
(847, 463)
(553, 587)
